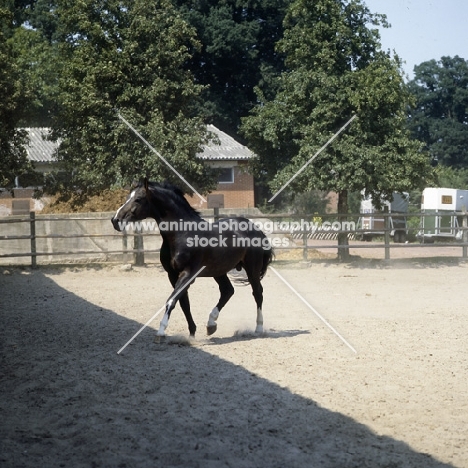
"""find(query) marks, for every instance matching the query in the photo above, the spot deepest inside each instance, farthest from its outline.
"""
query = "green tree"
(452, 177)
(37, 15)
(130, 57)
(13, 96)
(40, 67)
(439, 117)
(336, 68)
(237, 52)
(30, 34)
(40, 16)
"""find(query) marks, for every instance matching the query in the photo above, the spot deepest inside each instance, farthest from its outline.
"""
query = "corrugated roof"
(228, 149)
(39, 149)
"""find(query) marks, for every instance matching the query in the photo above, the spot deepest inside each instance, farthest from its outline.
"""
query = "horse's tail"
(268, 256)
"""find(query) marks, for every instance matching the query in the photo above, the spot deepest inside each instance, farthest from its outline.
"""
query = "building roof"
(39, 149)
(42, 150)
(228, 149)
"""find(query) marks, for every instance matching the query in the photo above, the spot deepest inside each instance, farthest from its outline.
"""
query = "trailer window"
(446, 199)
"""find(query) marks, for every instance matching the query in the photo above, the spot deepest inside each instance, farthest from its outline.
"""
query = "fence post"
(304, 243)
(124, 246)
(139, 255)
(32, 230)
(465, 233)
(387, 236)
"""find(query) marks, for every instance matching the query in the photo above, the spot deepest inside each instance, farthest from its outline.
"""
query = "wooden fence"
(26, 242)
(305, 233)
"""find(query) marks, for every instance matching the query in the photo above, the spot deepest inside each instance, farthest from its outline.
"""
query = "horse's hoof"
(159, 339)
(210, 329)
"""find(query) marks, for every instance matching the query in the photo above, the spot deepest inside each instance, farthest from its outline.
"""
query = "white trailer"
(441, 208)
(374, 225)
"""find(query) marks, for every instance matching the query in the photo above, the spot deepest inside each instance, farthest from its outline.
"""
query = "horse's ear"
(145, 182)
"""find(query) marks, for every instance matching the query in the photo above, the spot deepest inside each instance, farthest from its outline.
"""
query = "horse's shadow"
(248, 335)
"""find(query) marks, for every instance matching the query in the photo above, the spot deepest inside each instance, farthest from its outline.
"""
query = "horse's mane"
(176, 194)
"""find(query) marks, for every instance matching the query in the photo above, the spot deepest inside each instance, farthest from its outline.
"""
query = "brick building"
(235, 183)
(231, 158)
(42, 153)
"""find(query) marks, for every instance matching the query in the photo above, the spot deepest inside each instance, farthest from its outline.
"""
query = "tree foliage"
(237, 52)
(336, 69)
(439, 117)
(127, 57)
(39, 64)
(169, 67)
(13, 96)
(452, 177)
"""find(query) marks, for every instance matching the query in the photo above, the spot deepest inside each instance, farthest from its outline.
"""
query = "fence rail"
(86, 236)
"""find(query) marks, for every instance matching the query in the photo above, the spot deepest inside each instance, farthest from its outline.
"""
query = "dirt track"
(294, 397)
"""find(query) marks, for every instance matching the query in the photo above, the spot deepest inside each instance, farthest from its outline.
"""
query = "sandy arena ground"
(297, 396)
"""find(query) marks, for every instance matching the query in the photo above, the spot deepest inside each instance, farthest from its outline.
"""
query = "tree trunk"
(343, 252)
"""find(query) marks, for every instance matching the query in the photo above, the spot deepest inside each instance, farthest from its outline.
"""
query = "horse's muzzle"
(116, 224)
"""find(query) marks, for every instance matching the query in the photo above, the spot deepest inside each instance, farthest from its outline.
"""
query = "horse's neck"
(172, 213)
(178, 219)
(173, 224)
(172, 210)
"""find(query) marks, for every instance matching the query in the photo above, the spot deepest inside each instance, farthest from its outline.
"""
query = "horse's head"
(136, 207)
(153, 200)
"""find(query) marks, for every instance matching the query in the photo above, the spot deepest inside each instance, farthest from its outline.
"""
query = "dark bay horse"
(193, 247)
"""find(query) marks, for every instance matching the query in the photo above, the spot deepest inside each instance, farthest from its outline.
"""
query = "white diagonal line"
(313, 310)
(174, 293)
(168, 164)
(312, 158)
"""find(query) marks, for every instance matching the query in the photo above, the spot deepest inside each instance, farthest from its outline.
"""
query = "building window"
(446, 200)
(226, 175)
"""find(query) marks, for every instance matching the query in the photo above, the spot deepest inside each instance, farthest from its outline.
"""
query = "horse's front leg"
(226, 291)
(170, 304)
(183, 282)
(184, 302)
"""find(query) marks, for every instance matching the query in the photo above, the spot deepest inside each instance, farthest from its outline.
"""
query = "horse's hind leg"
(226, 290)
(185, 305)
(257, 291)
(253, 275)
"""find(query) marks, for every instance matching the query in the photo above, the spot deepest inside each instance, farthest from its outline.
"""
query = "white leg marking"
(163, 325)
(259, 328)
(214, 314)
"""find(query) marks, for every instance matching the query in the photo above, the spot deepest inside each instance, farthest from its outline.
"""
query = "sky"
(423, 30)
